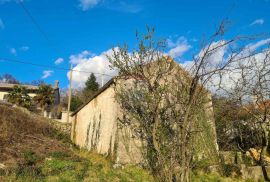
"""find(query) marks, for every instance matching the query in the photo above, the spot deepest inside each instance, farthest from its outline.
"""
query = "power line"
(50, 67)
(27, 12)
(37, 25)
(33, 20)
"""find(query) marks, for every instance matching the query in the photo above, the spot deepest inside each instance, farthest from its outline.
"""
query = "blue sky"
(81, 31)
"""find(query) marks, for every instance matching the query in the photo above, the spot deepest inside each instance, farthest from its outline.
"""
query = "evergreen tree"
(76, 102)
(91, 86)
(91, 83)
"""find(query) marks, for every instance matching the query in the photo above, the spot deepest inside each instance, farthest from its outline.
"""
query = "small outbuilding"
(95, 127)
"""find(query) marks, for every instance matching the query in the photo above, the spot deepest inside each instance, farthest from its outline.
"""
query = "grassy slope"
(32, 150)
(81, 166)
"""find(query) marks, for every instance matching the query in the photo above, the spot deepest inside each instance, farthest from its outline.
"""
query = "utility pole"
(69, 92)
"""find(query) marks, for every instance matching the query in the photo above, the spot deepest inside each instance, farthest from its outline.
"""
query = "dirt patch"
(22, 132)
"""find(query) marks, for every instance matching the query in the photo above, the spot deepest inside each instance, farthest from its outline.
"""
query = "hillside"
(33, 150)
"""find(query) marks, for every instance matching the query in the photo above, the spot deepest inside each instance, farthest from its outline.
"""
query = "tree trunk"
(265, 142)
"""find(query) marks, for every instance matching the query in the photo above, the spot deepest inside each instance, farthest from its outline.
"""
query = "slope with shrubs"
(32, 150)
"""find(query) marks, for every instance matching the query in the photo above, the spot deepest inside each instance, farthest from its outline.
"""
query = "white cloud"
(254, 46)
(13, 51)
(46, 74)
(87, 4)
(59, 61)
(220, 56)
(2, 25)
(216, 56)
(230, 79)
(178, 48)
(257, 22)
(81, 57)
(87, 63)
(24, 48)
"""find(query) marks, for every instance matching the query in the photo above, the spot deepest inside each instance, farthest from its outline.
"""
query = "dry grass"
(21, 132)
(32, 150)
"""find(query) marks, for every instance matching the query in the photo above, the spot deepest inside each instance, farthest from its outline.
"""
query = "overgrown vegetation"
(234, 131)
(45, 96)
(19, 96)
(165, 106)
(81, 95)
(31, 150)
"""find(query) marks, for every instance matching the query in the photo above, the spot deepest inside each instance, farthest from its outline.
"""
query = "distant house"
(5, 88)
(95, 127)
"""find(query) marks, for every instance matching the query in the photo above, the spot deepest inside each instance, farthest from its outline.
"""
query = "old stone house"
(95, 127)
(5, 88)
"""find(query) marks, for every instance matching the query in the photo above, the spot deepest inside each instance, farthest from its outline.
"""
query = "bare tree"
(8, 78)
(251, 90)
(165, 105)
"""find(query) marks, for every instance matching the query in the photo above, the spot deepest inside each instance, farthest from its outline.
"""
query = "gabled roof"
(9, 86)
(107, 85)
(111, 81)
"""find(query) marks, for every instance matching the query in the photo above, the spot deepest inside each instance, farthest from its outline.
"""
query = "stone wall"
(94, 126)
(205, 141)
(128, 148)
(62, 127)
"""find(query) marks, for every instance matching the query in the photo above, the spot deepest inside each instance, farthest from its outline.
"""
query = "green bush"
(247, 160)
(231, 170)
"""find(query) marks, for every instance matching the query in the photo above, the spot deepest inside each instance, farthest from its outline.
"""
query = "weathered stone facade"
(94, 126)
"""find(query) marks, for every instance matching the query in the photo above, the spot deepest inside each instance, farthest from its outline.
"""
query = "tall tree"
(166, 112)
(91, 83)
(91, 86)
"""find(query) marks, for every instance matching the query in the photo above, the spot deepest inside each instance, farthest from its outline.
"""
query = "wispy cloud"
(255, 46)
(87, 4)
(13, 51)
(115, 5)
(2, 25)
(46, 74)
(24, 48)
(257, 22)
(59, 61)
(124, 6)
(178, 48)
(7, 1)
